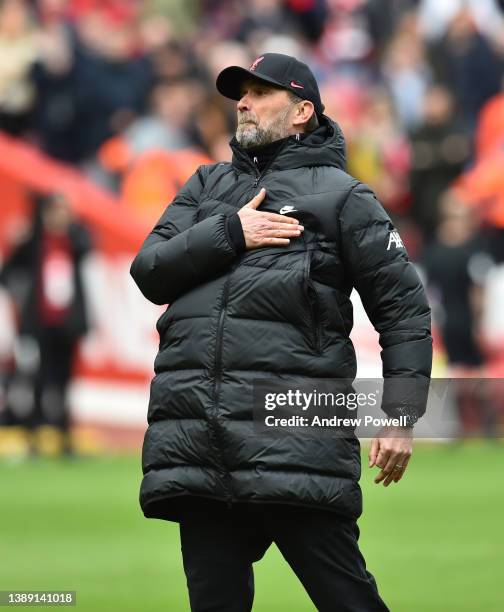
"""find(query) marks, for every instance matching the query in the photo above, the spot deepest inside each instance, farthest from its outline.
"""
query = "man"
(257, 259)
(44, 274)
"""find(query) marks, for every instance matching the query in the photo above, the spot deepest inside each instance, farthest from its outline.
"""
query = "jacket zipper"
(218, 355)
(316, 325)
(314, 318)
(217, 386)
(218, 348)
(260, 175)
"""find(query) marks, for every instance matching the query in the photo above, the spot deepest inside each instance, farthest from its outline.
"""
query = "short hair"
(313, 122)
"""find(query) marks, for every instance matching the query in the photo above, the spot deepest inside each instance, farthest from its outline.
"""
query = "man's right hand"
(266, 229)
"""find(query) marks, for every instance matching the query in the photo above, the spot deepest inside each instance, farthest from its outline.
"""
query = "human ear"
(304, 111)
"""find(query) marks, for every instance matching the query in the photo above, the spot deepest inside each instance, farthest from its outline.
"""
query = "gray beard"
(257, 136)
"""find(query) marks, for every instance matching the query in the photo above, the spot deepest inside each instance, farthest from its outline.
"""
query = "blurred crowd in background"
(97, 82)
(416, 85)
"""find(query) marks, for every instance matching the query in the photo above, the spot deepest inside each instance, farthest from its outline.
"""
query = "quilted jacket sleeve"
(391, 292)
(181, 252)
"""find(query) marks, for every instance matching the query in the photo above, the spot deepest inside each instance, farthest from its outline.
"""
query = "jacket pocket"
(313, 305)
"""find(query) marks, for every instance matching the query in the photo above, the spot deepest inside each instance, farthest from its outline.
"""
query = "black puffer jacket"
(276, 312)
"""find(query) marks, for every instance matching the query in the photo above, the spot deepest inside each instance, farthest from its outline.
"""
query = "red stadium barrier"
(123, 341)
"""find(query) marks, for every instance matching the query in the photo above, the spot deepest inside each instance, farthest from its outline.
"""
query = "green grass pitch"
(435, 541)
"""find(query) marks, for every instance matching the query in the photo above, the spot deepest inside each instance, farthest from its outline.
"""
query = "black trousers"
(57, 352)
(219, 546)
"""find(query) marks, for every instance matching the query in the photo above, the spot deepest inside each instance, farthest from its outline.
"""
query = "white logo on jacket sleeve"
(395, 239)
(287, 209)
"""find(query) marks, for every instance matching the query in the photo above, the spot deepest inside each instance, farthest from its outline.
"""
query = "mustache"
(247, 118)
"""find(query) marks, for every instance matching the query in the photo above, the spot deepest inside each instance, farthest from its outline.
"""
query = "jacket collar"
(323, 147)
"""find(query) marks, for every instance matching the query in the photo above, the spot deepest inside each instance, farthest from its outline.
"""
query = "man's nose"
(243, 103)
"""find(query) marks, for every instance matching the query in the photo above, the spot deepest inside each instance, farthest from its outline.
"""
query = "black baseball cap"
(281, 70)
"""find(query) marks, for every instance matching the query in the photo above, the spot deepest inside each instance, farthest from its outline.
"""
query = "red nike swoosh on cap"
(292, 84)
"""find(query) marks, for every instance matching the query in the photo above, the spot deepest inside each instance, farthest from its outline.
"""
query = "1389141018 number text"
(34, 598)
